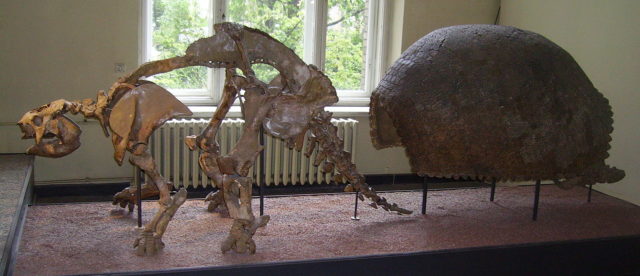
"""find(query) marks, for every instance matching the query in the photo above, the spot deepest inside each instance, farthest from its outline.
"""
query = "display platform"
(462, 232)
(16, 186)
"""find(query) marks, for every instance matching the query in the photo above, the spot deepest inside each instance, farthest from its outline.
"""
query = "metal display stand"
(425, 186)
(262, 174)
(536, 199)
(139, 196)
(493, 190)
(355, 210)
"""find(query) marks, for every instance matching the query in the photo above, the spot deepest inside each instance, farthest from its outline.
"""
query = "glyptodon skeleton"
(494, 103)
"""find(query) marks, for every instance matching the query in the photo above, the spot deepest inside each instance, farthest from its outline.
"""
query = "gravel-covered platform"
(94, 238)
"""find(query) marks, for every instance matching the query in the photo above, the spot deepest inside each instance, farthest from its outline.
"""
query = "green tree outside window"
(177, 23)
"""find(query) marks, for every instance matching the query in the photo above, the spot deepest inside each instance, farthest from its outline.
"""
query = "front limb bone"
(150, 240)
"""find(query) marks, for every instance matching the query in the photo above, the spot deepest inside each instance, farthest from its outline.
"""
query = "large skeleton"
(288, 107)
(494, 103)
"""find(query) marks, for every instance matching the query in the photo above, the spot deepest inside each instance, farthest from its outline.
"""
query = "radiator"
(282, 166)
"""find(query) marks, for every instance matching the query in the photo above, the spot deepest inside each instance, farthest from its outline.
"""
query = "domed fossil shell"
(494, 102)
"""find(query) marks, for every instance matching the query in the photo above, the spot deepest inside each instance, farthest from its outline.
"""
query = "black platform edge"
(604, 256)
(66, 193)
(15, 232)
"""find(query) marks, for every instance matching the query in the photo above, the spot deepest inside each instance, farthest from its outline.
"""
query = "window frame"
(314, 41)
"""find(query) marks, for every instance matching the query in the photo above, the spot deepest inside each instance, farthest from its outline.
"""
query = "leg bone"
(150, 240)
(237, 195)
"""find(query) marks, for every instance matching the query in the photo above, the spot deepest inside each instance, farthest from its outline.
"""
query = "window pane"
(175, 25)
(346, 32)
(282, 19)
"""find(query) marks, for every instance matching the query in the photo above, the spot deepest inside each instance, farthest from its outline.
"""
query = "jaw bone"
(54, 137)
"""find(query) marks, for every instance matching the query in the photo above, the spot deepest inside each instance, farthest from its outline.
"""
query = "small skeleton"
(287, 107)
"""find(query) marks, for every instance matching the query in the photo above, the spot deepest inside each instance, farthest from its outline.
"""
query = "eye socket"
(37, 120)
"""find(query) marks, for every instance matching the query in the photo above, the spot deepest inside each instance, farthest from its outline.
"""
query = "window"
(342, 37)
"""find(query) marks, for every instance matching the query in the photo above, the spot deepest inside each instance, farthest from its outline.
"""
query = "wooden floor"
(97, 237)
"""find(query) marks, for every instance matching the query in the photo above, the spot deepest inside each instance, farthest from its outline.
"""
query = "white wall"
(54, 49)
(423, 16)
(604, 38)
(413, 19)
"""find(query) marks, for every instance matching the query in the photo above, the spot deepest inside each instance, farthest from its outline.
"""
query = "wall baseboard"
(89, 190)
(85, 181)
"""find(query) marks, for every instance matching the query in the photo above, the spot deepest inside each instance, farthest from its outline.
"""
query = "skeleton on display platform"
(287, 107)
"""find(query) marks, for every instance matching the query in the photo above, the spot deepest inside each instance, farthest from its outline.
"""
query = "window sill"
(234, 112)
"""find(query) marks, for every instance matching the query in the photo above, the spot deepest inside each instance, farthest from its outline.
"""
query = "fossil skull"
(55, 135)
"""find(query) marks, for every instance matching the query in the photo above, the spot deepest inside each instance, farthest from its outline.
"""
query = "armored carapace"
(496, 103)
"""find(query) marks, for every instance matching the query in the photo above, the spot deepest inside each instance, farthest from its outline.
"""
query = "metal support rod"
(262, 174)
(355, 210)
(424, 195)
(590, 188)
(493, 190)
(535, 200)
(139, 196)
